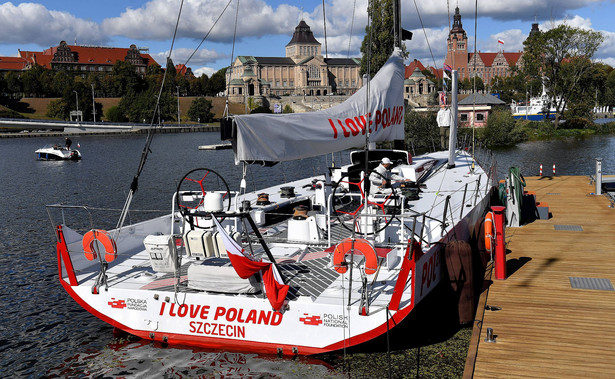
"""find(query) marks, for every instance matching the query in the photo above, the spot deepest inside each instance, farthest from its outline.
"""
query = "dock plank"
(547, 328)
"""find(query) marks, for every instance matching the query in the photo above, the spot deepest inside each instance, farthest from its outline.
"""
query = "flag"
(447, 67)
(500, 41)
(445, 75)
(245, 267)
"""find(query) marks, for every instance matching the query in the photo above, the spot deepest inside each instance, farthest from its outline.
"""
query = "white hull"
(57, 153)
(318, 317)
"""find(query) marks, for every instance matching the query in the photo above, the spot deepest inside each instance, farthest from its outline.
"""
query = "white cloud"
(200, 58)
(204, 70)
(33, 23)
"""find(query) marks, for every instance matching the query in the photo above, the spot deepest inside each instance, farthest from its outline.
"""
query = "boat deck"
(557, 317)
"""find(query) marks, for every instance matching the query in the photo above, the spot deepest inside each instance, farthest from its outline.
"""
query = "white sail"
(274, 137)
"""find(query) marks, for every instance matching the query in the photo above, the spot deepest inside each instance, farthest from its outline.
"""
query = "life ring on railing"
(103, 237)
(488, 231)
(361, 246)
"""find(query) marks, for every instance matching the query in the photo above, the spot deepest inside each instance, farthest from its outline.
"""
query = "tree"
(610, 89)
(200, 110)
(288, 109)
(379, 40)
(58, 109)
(563, 55)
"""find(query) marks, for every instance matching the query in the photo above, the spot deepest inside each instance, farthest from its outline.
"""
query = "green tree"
(58, 109)
(14, 85)
(288, 109)
(200, 110)
(421, 130)
(610, 89)
(379, 40)
(500, 129)
(563, 55)
(261, 109)
(114, 114)
(217, 83)
(125, 78)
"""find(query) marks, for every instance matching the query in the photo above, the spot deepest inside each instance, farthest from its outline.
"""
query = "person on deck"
(68, 143)
(444, 119)
(381, 178)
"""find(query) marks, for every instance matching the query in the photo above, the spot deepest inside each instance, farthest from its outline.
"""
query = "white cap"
(386, 160)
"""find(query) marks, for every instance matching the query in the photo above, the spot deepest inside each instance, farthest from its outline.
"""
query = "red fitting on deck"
(500, 245)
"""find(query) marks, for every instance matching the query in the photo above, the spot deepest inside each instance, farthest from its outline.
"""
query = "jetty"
(17, 128)
(554, 314)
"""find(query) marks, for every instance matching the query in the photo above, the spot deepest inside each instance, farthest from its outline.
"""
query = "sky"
(264, 27)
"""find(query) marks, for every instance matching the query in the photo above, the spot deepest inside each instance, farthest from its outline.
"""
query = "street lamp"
(93, 104)
(77, 99)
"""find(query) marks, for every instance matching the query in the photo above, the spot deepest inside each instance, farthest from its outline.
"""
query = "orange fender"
(489, 231)
(103, 238)
(361, 247)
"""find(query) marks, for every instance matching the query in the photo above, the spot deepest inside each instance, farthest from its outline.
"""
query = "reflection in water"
(123, 358)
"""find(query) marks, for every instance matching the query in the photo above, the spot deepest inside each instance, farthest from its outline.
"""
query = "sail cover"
(284, 137)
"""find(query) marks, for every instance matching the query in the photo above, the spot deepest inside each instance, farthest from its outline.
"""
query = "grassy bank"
(36, 108)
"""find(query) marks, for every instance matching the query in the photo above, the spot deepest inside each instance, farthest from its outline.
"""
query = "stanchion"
(500, 246)
(553, 169)
(541, 169)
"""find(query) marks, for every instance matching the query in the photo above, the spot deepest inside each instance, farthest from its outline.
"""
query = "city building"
(303, 71)
(486, 66)
(76, 58)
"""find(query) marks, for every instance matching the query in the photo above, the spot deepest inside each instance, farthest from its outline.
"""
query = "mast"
(452, 139)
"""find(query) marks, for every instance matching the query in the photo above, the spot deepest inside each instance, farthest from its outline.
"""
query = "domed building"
(303, 71)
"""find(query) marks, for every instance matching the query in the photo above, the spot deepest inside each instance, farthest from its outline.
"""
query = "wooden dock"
(548, 327)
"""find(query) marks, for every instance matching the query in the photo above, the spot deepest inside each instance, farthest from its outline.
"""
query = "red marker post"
(500, 245)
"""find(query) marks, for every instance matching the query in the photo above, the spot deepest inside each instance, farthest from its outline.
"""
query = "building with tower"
(303, 71)
(486, 66)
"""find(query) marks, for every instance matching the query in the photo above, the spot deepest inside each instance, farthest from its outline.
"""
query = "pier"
(13, 128)
(554, 314)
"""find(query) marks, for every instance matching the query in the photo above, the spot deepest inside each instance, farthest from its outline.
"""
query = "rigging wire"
(324, 22)
(150, 133)
(425, 32)
(230, 76)
(474, 84)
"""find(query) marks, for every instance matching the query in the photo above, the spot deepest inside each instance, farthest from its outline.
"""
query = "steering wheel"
(194, 187)
(348, 200)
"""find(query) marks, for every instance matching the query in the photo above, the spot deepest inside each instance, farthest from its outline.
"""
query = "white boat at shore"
(298, 268)
(55, 152)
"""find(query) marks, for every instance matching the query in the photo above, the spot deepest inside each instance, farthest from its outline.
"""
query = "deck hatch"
(591, 283)
(570, 228)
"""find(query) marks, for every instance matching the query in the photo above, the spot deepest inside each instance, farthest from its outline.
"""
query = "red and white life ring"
(102, 237)
(361, 247)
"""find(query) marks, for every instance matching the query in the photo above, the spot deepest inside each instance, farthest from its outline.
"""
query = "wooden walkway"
(546, 328)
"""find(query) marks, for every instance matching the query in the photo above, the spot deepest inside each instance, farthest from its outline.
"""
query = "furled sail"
(277, 137)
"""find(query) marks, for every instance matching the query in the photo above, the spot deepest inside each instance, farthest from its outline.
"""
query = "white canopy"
(285, 137)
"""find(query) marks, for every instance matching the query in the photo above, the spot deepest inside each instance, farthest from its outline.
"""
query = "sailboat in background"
(303, 267)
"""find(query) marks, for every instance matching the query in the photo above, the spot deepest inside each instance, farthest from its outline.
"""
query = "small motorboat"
(55, 152)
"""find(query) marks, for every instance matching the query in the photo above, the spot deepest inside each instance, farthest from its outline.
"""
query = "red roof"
(13, 64)
(488, 58)
(411, 67)
(512, 58)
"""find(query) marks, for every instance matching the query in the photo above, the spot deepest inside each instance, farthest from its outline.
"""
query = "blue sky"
(266, 26)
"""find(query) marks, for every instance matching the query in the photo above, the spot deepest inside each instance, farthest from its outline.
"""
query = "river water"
(43, 332)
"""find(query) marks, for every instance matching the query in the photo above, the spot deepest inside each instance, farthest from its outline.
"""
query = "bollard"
(598, 176)
(500, 246)
(541, 169)
(490, 337)
(553, 169)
